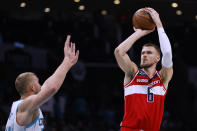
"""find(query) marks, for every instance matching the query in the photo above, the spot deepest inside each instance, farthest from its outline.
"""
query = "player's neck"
(26, 95)
(150, 71)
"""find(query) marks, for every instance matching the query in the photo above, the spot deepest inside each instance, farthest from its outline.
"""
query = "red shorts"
(129, 129)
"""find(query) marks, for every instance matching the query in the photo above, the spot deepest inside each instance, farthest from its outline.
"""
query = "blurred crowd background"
(92, 98)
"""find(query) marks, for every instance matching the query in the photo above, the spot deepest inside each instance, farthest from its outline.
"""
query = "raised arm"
(54, 82)
(122, 58)
(167, 64)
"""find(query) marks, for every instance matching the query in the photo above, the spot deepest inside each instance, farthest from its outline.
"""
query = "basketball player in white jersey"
(25, 113)
(145, 88)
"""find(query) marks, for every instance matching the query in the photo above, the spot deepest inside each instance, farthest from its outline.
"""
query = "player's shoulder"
(15, 104)
(26, 104)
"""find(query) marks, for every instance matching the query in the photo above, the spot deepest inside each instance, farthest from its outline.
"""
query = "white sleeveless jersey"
(36, 125)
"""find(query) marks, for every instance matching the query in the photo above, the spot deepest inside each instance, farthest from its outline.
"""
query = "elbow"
(53, 89)
(117, 51)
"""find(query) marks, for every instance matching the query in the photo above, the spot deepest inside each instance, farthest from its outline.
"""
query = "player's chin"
(143, 65)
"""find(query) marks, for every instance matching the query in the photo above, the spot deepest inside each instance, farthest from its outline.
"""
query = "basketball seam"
(145, 18)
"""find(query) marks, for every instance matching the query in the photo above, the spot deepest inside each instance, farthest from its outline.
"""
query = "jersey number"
(150, 96)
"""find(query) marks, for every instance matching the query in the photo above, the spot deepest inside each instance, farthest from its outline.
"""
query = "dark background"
(91, 98)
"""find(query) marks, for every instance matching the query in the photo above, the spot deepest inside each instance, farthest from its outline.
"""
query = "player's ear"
(158, 58)
(32, 87)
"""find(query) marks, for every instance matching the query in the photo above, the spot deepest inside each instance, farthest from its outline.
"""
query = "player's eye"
(149, 52)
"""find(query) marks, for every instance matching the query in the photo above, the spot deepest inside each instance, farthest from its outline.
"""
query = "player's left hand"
(143, 32)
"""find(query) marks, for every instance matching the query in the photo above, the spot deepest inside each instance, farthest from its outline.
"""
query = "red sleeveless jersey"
(144, 102)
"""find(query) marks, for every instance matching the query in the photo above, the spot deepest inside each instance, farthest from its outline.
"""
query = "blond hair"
(22, 82)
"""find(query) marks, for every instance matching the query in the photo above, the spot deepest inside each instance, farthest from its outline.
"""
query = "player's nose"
(145, 55)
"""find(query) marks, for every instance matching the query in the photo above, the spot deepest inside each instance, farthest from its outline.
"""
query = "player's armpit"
(128, 77)
(166, 75)
(26, 105)
(26, 111)
(125, 63)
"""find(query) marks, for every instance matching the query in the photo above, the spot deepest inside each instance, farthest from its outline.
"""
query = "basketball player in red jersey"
(145, 88)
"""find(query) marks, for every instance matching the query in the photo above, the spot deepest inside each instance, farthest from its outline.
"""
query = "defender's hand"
(69, 51)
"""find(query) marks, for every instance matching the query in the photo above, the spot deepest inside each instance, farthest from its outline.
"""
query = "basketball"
(142, 20)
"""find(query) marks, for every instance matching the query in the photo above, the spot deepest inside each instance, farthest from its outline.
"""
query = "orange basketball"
(142, 20)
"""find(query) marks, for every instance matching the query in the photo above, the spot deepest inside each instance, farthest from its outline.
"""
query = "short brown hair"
(22, 81)
(153, 45)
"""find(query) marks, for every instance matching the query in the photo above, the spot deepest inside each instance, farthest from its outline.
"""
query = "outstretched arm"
(167, 64)
(122, 58)
(54, 82)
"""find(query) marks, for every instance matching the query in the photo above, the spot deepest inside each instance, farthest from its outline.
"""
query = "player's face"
(36, 84)
(149, 57)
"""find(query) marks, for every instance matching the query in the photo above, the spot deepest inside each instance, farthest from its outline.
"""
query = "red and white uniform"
(144, 102)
